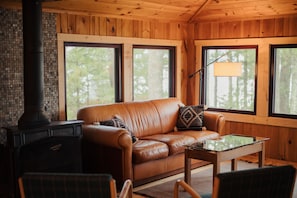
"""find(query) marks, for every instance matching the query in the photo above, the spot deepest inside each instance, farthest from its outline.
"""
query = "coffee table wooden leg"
(261, 155)
(187, 169)
(234, 164)
(216, 170)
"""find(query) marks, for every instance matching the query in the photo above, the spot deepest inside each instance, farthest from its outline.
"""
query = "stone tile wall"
(11, 67)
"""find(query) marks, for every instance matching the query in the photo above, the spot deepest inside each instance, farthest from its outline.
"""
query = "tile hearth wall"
(11, 67)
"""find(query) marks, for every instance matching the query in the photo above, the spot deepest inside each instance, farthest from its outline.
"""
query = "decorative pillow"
(190, 118)
(117, 122)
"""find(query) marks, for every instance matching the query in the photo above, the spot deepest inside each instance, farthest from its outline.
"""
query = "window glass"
(153, 73)
(90, 72)
(230, 93)
(283, 91)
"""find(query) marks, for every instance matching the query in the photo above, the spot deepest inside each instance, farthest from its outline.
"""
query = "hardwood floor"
(268, 161)
(249, 158)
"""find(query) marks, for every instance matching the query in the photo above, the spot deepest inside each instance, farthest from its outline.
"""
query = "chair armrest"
(127, 189)
(186, 187)
(214, 121)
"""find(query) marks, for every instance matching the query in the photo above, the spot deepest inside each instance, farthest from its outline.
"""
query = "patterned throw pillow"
(190, 118)
(117, 122)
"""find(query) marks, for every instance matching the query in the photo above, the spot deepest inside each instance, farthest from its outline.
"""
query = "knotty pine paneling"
(283, 140)
(106, 26)
(275, 27)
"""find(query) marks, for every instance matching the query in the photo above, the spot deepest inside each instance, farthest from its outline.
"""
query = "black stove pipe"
(33, 115)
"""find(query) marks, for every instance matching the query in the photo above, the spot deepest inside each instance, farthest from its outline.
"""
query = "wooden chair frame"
(126, 191)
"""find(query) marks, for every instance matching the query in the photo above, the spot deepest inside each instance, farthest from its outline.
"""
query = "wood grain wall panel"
(279, 27)
(290, 28)
(215, 27)
(230, 29)
(103, 26)
(146, 29)
(251, 29)
(83, 24)
(283, 140)
(142, 29)
(204, 30)
(71, 24)
(119, 27)
(76, 24)
(175, 31)
(95, 26)
(127, 28)
(160, 30)
(111, 27)
(63, 23)
(285, 26)
(189, 58)
(291, 145)
(267, 28)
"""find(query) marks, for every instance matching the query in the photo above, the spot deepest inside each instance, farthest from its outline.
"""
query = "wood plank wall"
(104, 26)
(276, 27)
(283, 140)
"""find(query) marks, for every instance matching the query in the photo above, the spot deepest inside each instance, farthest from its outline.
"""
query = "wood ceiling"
(187, 11)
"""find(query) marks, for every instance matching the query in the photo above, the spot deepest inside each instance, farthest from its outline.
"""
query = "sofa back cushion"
(143, 118)
(168, 112)
(97, 113)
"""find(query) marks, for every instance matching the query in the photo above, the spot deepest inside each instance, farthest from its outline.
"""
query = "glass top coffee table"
(227, 147)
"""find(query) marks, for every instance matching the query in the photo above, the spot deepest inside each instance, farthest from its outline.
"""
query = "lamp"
(220, 69)
(227, 69)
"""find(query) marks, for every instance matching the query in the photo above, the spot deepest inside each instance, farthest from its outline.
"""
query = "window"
(230, 93)
(283, 81)
(92, 75)
(106, 70)
(153, 72)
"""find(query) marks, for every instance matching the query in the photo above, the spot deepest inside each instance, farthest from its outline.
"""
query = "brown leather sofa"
(159, 150)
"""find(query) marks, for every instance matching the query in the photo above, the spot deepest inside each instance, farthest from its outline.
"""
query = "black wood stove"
(37, 144)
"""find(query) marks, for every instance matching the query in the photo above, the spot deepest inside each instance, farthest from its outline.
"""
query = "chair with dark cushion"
(63, 185)
(267, 182)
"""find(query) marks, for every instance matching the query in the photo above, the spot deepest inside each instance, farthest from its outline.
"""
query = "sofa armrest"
(107, 149)
(108, 136)
(214, 121)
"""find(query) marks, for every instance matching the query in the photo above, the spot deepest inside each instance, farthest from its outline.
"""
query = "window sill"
(254, 119)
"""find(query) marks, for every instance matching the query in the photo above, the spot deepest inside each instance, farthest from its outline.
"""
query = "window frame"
(262, 110)
(203, 85)
(172, 66)
(272, 74)
(117, 69)
(127, 53)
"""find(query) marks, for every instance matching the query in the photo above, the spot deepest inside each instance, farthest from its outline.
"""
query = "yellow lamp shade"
(227, 69)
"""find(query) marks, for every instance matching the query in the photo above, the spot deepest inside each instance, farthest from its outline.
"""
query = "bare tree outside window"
(151, 73)
(90, 77)
(283, 84)
(231, 93)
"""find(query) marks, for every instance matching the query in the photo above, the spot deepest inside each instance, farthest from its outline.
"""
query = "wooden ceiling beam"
(206, 2)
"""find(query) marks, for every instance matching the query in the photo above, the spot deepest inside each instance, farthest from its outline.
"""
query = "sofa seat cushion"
(174, 141)
(199, 136)
(147, 150)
